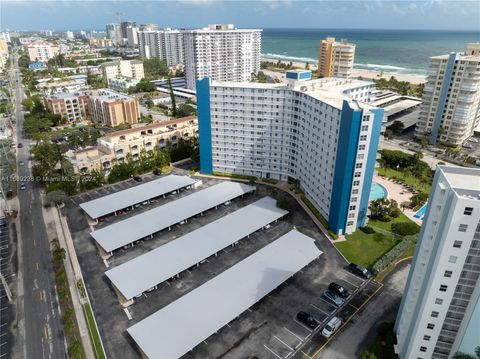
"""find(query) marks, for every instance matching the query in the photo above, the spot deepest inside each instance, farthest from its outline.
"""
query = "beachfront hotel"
(440, 309)
(335, 59)
(320, 132)
(221, 52)
(451, 98)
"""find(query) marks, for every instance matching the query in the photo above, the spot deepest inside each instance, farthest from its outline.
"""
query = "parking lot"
(7, 270)
(269, 329)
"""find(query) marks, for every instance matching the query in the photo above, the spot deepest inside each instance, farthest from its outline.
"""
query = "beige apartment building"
(116, 146)
(101, 106)
(335, 59)
(132, 69)
(41, 50)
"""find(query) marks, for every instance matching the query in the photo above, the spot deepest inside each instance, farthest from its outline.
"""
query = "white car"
(332, 326)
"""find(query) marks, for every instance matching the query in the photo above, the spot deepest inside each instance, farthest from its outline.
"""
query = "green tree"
(397, 127)
(56, 197)
(185, 110)
(460, 355)
(368, 355)
(155, 68)
(172, 98)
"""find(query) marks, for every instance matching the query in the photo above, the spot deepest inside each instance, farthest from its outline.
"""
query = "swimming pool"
(421, 212)
(377, 191)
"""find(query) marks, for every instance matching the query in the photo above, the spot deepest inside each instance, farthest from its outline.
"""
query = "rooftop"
(116, 201)
(147, 223)
(464, 180)
(151, 126)
(143, 272)
(188, 321)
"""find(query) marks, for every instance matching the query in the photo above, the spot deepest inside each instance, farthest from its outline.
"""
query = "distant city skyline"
(380, 14)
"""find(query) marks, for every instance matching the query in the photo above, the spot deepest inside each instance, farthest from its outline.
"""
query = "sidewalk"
(72, 268)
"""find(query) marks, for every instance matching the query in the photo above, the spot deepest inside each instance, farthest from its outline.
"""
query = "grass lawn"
(408, 179)
(366, 249)
(94, 335)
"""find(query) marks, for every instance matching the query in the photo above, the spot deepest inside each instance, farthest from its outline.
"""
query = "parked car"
(333, 298)
(332, 326)
(19, 145)
(22, 186)
(157, 172)
(138, 178)
(21, 163)
(307, 319)
(338, 290)
(359, 271)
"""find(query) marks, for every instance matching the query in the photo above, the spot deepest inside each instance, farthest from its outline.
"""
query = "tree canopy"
(155, 68)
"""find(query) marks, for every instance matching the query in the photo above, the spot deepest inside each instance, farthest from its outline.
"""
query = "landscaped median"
(367, 248)
(93, 331)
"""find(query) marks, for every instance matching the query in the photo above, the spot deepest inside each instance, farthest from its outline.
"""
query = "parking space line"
(271, 351)
(356, 286)
(281, 341)
(313, 305)
(331, 305)
(352, 305)
(295, 335)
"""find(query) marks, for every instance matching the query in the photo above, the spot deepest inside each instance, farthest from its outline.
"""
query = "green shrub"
(284, 203)
(393, 254)
(405, 228)
(367, 230)
(270, 180)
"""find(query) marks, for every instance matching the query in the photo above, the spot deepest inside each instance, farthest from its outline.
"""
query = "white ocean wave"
(380, 67)
(289, 58)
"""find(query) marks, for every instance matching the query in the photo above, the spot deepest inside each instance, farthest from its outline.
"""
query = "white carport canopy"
(180, 326)
(147, 223)
(143, 272)
(128, 197)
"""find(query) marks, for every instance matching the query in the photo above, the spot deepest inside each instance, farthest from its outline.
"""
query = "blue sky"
(375, 14)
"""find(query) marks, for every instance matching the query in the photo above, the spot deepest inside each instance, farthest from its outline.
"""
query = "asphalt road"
(39, 318)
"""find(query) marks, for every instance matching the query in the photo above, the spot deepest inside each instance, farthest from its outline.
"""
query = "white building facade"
(440, 311)
(451, 98)
(132, 69)
(319, 132)
(222, 53)
(165, 44)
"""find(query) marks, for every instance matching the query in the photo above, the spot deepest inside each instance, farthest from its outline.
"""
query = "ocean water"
(393, 51)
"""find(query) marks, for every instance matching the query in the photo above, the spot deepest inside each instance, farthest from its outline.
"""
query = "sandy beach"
(365, 74)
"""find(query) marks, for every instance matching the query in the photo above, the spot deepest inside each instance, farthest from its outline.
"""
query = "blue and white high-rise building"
(440, 310)
(320, 132)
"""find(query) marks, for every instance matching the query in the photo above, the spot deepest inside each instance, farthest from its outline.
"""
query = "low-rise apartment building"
(116, 146)
(102, 106)
(132, 69)
(122, 84)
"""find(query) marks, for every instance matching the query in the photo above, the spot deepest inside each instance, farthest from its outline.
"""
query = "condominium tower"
(335, 59)
(114, 32)
(320, 132)
(165, 44)
(440, 309)
(451, 98)
(221, 52)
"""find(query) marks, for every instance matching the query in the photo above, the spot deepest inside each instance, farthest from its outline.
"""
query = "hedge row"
(393, 254)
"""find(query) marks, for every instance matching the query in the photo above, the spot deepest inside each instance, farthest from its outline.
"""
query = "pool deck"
(399, 193)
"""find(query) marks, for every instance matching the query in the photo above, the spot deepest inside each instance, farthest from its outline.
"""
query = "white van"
(332, 326)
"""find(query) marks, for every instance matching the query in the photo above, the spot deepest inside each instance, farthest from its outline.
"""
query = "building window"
(350, 223)
(443, 288)
(439, 301)
(452, 259)
(448, 273)
(457, 244)
(434, 314)
(423, 349)
(462, 227)
(468, 211)
(426, 337)
(430, 326)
